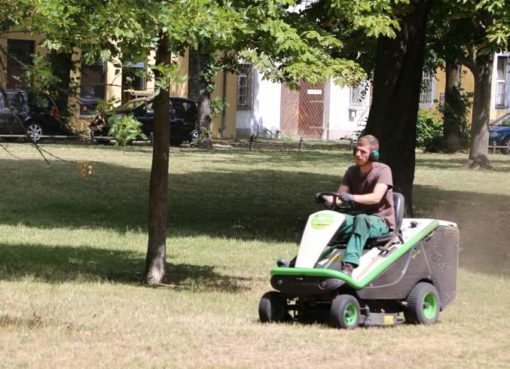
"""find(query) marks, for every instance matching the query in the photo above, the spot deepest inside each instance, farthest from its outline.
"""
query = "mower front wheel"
(273, 308)
(345, 312)
(422, 304)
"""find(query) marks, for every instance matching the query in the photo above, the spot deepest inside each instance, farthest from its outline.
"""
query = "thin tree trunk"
(479, 148)
(158, 193)
(397, 84)
(454, 110)
(199, 89)
(204, 117)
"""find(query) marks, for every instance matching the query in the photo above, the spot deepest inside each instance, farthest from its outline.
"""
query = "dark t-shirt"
(361, 185)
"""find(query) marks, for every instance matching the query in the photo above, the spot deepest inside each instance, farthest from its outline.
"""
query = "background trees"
(469, 33)
(284, 46)
(397, 83)
(287, 41)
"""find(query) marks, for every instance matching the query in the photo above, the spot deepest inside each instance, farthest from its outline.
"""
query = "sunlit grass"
(72, 252)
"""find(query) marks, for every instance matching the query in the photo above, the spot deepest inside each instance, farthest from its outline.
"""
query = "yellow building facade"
(500, 94)
(109, 82)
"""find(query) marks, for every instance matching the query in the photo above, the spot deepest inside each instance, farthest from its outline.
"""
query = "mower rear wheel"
(345, 312)
(273, 308)
(422, 304)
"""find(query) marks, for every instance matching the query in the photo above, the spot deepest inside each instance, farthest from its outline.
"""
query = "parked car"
(26, 113)
(183, 115)
(499, 133)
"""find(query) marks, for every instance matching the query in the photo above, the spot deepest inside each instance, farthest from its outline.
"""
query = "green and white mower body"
(414, 274)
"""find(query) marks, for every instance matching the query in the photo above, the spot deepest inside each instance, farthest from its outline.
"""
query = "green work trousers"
(361, 227)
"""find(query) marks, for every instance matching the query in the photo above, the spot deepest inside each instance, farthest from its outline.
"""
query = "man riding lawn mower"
(360, 262)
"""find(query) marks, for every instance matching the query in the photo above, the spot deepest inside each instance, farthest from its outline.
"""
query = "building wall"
(468, 85)
(340, 117)
(180, 88)
(343, 118)
(289, 112)
(264, 116)
(4, 37)
(224, 125)
(274, 107)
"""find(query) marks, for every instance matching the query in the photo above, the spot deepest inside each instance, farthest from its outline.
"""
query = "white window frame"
(427, 89)
(245, 87)
(358, 94)
(502, 97)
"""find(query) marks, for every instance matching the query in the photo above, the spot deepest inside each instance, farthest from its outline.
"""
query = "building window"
(92, 88)
(503, 70)
(21, 53)
(134, 81)
(244, 87)
(427, 89)
(358, 93)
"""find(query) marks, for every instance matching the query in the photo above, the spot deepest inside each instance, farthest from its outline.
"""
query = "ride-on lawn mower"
(412, 271)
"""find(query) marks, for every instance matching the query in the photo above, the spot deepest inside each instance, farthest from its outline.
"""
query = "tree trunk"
(158, 192)
(479, 150)
(200, 89)
(397, 84)
(204, 117)
(454, 110)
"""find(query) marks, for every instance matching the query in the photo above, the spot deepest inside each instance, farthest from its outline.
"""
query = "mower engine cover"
(320, 228)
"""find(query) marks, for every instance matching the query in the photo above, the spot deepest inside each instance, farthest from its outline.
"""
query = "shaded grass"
(72, 249)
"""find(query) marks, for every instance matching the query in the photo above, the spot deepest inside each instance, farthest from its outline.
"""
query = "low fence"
(504, 149)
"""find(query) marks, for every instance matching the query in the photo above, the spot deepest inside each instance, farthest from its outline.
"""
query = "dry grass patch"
(72, 252)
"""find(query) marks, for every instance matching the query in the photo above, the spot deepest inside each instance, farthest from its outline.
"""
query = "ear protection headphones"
(374, 146)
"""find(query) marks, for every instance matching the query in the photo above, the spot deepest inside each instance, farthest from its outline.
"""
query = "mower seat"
(399, 206)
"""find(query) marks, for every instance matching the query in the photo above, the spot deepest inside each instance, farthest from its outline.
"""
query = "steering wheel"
(320, 197)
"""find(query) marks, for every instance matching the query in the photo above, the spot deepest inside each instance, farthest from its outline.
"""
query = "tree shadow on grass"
(240, 203)
(457, 162)
(58, 264)
(203, 278)
(245, 204)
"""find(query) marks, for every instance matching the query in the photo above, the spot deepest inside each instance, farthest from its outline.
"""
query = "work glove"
(346, 198)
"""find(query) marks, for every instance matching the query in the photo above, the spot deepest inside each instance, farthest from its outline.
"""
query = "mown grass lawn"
(72, 251)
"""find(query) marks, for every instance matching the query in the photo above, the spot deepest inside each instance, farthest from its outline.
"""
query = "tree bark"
(199, 90)
(397, 84)
(479, 148)
(454, 110)
(155, 261)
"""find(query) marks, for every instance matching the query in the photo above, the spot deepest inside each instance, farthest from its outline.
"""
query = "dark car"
(183, 115)
(499, 133)
(30, 114)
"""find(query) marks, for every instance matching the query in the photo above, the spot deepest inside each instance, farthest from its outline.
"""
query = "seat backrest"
(399, 206)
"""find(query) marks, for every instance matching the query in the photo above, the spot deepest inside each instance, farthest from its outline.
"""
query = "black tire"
(34, 131)
(176, 142)
(423, 304)
(273, 308)
(345, 312)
